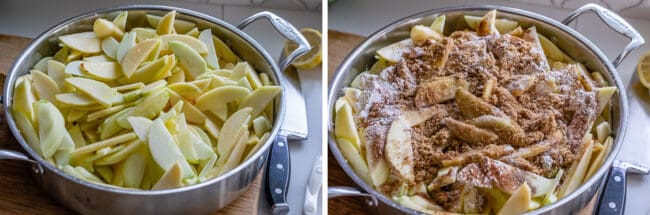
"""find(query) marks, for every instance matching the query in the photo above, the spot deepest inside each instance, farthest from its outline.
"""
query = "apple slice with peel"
(28, 131)
(120, 20)
(134, 167)
(216, 100)
(153, 71)
(85, 42)
(211, 59)
(399, 151)
(51, 127)
(194, 43)
(184, 139)
(104, 28)
(181, 26)
(23, 99)
(344, 125)
(165, 151)
(152, 104)
(140, 126)
(228, 133)
(46, 88)
(393, 52)
(260, 98)
(190, 60)
(136, 55)
(172, 178)
(102, 71)
(142, 34)
(95, 89)
(127, 42)
(518, 202)
(223, 50)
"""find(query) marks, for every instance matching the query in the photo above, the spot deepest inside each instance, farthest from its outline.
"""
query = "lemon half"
(312, 58)
(643, 69)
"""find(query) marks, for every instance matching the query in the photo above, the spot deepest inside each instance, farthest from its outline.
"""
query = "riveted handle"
(287, 30)
(615, 22)
(612, 201)
(278, 172)
(339, 191)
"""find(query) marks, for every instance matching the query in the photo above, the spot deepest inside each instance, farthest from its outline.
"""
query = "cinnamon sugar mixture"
(534, 104)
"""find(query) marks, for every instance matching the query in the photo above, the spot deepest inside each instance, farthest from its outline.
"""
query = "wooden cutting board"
(18, 191)
(340, 44)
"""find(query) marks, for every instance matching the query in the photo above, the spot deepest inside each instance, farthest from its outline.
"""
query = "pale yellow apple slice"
(438, 24)
(104, 28)
(344, 126)
(599, 158)
(212, 128)
(184, 139)
(578, 169)
(74, 68)
(109, 47)
(85, 42)
(142, 34)
(134, 168)
(223, 51)
(211, 59)
(354, 158)
(192, 42)
(172, 178)
(181, 26)
(75, 99)
(261, 125)
(103, 71)
(152, 105)
(127, 42)
(164, 150)
(51, 127)
(502, 25)
(194, 32)
(153, 71)
(235, 156)
(56, 71)
(77, 136)
(398, 149)
(136, 55)
(166, 23)
(186, 90)
(378, 167)
(552, 51)
(120, 20)
(260, 98)
(228, 134)
(190, 60)
(203, 175)
(23, 99)
(420, 34)
(95, 89)
(28, 131)
(604, 94)
(140, 126)
(41, 65)
(518, 202)
(393, 52)
(46, 88)
(216, 99)
(120, 155)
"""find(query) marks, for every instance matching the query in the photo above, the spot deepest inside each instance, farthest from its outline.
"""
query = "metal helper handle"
(286, 30)
(614, 21)
(339, 191)
(14, 155)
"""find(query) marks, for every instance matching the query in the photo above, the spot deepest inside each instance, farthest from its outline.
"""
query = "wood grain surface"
(18, 191)
(340, 44)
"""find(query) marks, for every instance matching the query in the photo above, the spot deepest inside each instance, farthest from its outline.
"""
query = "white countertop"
(366, 16)
(29, 18)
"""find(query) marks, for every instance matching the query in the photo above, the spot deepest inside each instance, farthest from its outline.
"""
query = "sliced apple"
(393, 52)
(140, 126)
(104, 28)
(45, 87)
(261, 125)
(136, 55)
(216, 99)
(345, 127)
(194, 32)
(190, 60)
(152, 71)
(75, 99)
(196, 44)
(398, 149)
(56, 71)
(23, 99)
(185, 90)
(122, 154)
(166, 23)
(120, 20)
(74, 68)
(134, 168)
(420, 34)
(438, 91)
(518, 202)
(164, 150)
(502, 25)
(85, 42)
(95, 89)
(181, 26)
(578, 169)
(152, 104)
(604, 94)
(28, 131)
(235, 155)
(142, 34)
(260, 98)
(173, 178)
(127, 42)
(552, 51)
(438, 24)
(228, 134)
(109, 47)
(103, 71)
(41, 65)
(353, 156)
(51, 127)
(223, 51)
(211, 59)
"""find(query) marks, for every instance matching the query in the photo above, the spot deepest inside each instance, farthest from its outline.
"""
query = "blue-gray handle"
(612, 200)
(277, 175)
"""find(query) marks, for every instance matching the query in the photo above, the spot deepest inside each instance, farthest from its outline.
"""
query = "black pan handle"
(612, 200)
(277, 175)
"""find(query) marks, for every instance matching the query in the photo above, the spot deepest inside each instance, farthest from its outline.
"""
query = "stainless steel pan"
(569, 40)
(203, 198)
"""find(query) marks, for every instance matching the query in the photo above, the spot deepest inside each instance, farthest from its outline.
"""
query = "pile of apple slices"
(149, 108)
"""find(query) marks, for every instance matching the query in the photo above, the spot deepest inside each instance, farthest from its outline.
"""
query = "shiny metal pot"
(208, 197)
(569, 40)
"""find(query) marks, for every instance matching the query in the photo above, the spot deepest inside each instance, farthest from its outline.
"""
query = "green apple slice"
(152, 71)
(75, 99)
(109, 47)
(120, 20)
(95, 89)
(103, 71)
(172, 178)
(136, 55)
(190, 60)
(235, 156)
(211, 59)
(196, 44)
(184, 140)
(142, 34)
(164, 150)
(261, 125)
(152, 105)
(104, 28)
(45, 87)
(228, 133)
(216, 99)
(51, 127)
(181, 26)
(23, 99)
(134, 168)
(260, 98)
(166, 23)
(127, 42)
(85, 42)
